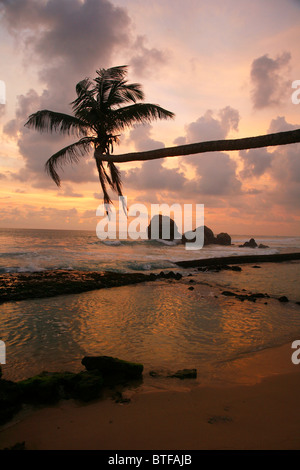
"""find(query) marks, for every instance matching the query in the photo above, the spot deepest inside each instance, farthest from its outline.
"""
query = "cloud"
(140, 137)
(255, 162)
(67, 40)
(147, 61)
(268, 77)
(281, 166)
(68, 192)
(153, 175)
(211, 127)
(215, 175)
(281, 125)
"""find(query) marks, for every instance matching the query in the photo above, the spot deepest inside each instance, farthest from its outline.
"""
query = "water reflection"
(161, 324)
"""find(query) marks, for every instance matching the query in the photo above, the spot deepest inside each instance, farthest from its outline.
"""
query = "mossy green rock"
(113, 369)
(10, 400)
(87, 386)
(48, 388)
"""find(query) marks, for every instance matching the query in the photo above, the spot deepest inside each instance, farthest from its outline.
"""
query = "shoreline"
(51, 283)
(260, 412)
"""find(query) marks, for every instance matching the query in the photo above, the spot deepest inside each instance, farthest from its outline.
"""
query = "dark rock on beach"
(113, 368)
(179, 374)
(283, 298)
(49, 388)
(242, 297)
(10, 400)
(219, 267)
(185, 374)
(168, 275)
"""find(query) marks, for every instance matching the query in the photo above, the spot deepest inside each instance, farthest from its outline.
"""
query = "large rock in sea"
(157, 223)
(209, 237)
(250, 244)
(223, 239)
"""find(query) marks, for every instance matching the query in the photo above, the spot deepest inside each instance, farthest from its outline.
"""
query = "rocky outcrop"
(49, 388)
(21, 286)
(161, 223)
(111, 367)
(250, 244)
(223, 239)
(209, 237)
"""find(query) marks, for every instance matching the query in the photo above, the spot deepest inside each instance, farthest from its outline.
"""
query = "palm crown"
(104, 107)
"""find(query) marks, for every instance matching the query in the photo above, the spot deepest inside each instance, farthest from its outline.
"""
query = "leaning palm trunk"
(268, 140)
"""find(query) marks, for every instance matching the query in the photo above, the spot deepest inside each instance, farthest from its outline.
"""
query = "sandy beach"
(255, 405)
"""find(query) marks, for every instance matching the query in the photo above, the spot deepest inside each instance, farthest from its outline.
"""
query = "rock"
(283, 299)
(16, 446)
(169, 275)
(223, 239)
(257, 267)
(87, 386)
(21, 286)
(236, 268)
(191, 288)
(228, 293)
(157, 223)
(242, 297)
(261, 245)
(113, 369)
(209, 237)
(10, 400)
(50, 387)
(250, 244)
(0, 372)
(185, 374)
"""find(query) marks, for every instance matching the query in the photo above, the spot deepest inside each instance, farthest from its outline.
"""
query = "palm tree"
(267, 140)
(104, 107)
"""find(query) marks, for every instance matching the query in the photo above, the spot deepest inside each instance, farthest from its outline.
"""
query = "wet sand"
(254, 405)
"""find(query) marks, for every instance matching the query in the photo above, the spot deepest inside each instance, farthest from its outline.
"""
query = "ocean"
(166, 324)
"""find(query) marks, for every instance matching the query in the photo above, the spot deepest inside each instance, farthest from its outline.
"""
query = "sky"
(225, 68)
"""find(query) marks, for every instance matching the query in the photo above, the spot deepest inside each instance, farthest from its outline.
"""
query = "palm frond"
(50, 121)
(115, 178)
(69, 154)
(137, 113)
(120, 92)
(103, 178)
(113, 73)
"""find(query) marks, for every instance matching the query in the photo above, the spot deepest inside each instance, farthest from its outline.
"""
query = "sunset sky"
(225, 68)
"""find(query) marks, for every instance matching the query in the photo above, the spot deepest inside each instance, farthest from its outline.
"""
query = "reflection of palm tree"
(104, 107)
